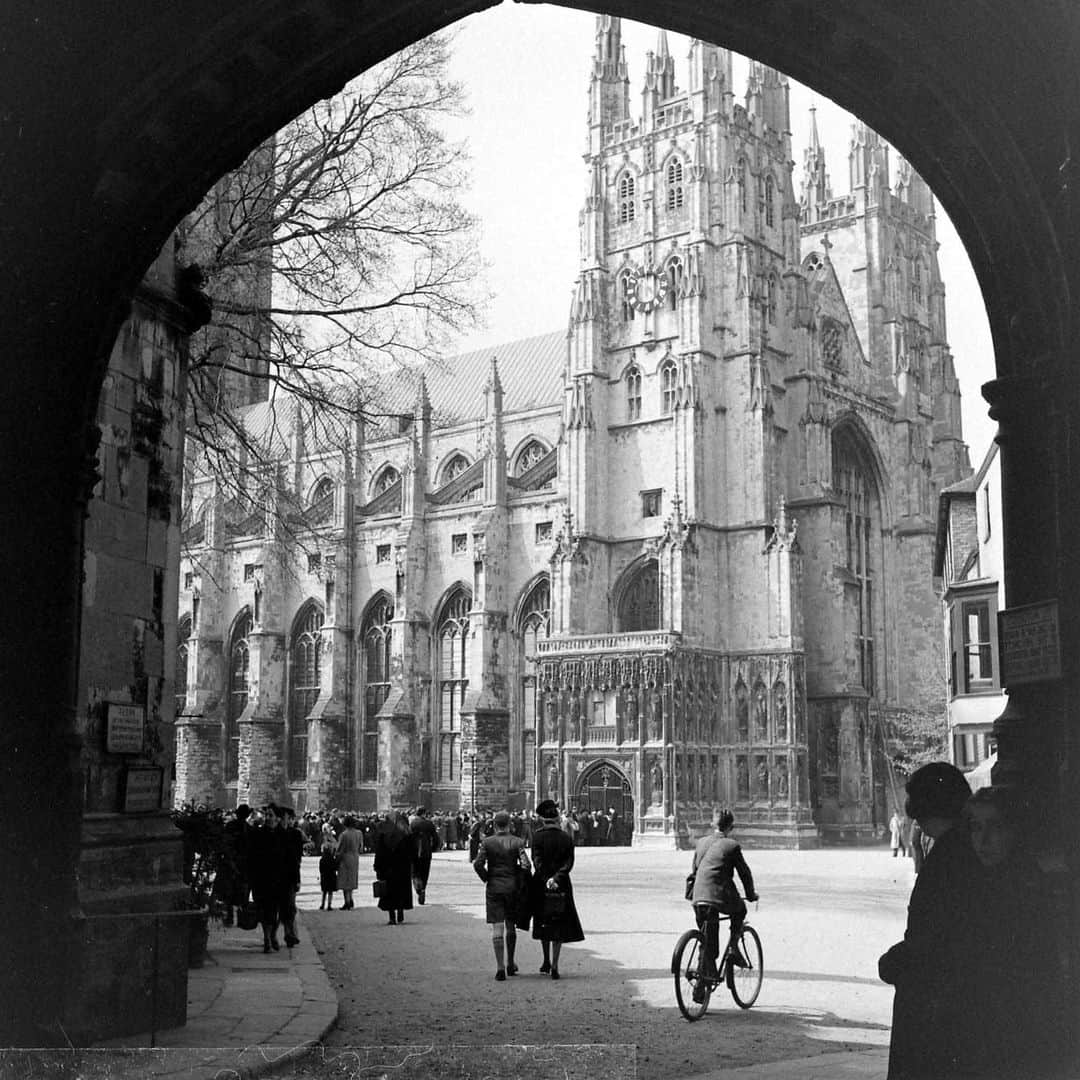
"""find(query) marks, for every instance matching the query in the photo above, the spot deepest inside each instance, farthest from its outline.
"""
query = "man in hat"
(426, 839)
(231, 883)
(500, 863)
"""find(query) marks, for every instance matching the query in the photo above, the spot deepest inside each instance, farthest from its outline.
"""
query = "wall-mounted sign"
(124, 728)
(142, 788)
(1029, 643)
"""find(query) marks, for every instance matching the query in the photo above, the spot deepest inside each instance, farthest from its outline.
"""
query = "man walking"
(500, 863)
(426, 839)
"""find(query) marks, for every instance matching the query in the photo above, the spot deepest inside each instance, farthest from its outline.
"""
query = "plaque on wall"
(142, 788)
(1029, 642)
(124, 728)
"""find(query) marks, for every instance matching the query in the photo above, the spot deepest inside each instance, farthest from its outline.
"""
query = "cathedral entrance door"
(604, 793)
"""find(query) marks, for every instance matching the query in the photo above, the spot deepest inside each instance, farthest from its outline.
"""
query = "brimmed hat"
(547, 809)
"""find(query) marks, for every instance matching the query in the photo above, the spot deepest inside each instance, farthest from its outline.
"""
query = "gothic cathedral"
(676, 556)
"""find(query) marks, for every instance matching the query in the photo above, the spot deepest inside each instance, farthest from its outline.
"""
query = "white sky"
(526, 70)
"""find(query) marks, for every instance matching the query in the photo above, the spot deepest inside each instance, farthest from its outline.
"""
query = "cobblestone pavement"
(824, 918)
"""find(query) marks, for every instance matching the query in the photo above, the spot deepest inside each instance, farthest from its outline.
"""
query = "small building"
(968, 566)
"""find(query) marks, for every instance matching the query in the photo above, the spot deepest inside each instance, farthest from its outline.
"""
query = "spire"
(710, 76)
(659, 74)
(912, 188)
(609, 85)
(815, 183)
(868, 161)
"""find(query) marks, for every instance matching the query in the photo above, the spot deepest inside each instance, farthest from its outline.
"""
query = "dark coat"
(717, 858)
(933, 1034)
(394, 865)
(328, 872)
(553, 857)
(232, 883)
(271, 864)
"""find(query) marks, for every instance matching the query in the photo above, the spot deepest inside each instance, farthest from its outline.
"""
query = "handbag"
(554, 904)
(247, 916)
(378, 889)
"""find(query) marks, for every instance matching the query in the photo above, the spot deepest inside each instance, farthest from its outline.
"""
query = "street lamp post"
(471, 755)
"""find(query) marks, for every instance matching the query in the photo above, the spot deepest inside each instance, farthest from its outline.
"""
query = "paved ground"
(824, 919)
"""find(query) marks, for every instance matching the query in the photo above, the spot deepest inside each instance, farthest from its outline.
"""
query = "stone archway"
(605, 788)
(114, 131)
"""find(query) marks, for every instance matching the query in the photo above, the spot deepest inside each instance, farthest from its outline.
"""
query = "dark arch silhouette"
(114, 128)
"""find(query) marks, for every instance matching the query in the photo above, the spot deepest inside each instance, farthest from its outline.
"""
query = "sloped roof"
(530, 370)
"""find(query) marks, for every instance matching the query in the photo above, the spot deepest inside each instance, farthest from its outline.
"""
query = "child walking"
(327, 877)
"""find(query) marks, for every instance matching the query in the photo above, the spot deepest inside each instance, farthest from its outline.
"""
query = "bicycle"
(693, 989)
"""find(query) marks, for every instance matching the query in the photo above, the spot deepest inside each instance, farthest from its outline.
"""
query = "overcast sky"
(526, 70)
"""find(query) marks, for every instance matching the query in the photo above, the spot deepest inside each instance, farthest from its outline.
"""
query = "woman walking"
(555, 918)
(348, 853)
(394, 866)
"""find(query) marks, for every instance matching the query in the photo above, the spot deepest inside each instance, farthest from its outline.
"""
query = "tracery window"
(376, 637)
(386, 480)
(183, 633)
(534, 626)
(674, 281)
(639, 604)
(770, 196)
(305, 677)
(532, 453)
(854, 484)
(675, 190)
(324, 488)
(633, 393)
(626, 198)
(740, 175)
(917, 281)
(239, 687)
(454, 467)
(832, 344)
(452, 666)
(668, 387)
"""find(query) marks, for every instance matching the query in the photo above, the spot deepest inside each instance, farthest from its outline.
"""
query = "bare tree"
(338, 251)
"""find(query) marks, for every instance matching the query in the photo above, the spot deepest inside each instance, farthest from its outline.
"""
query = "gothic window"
(772, 291)
(183, 633)
(633, 393)
(376, 638)
(385, 480)
(626, 198)
(770, 200)
(323, 489)
(740, 174)
(668, 387)
(639, 605)
(530, 455)
(813, 263)
(675, 191)
(832, 344)
(533, 628)
(626, 295)
(854, 484)
(305, 663)
(674, 281)
(239, 686)
(457, 464)
(917, 281)
(453, 678)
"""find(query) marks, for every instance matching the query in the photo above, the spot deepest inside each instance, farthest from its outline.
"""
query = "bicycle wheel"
(745, 982)
(685, 962)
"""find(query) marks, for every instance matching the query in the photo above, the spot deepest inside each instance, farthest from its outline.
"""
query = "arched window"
(531, 454)
(452, 666)
(668, 386)
(180, 682)
(633, 393)
(772, 292)
(770, 196)
(457, 464)
(853, 483)
(239, 687)
(917, 281)
(626, 198)
(375, 637)
(385, 480)
(674, 281)
(626, 295)
(305, 663)
(832, 344)
(741, 177)
(322, 490)
(639, 604)
(533, 627)
(675, 191)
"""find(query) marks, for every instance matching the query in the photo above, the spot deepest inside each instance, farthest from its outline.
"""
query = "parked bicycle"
(695, 983)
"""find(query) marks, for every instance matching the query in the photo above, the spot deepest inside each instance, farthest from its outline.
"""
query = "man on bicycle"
(717, 858)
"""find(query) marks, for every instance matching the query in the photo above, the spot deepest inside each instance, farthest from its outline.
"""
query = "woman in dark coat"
(553, 859)
(933, 1036)
(394, 865)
